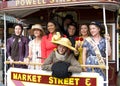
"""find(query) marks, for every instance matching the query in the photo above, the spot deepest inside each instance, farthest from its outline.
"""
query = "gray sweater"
(55, 57)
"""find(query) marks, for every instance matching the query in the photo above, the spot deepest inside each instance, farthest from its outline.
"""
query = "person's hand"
(76, 52)
(107, 37)
(10, 59)
(27, 60)
(84, 69)
(78, 45)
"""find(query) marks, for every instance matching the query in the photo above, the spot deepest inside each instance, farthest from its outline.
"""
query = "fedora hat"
(57, 39)
(37, 26)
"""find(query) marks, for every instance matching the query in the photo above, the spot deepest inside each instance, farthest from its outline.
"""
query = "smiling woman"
(46, 45)
(35, 47)
(17, 46)
(94, 48)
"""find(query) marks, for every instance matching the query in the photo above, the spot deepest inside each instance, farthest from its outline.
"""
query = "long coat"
(23, 47)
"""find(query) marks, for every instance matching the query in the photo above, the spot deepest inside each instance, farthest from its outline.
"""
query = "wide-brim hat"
(62, 41)
(37, 26)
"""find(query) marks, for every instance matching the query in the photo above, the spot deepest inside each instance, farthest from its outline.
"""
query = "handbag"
(60, 69)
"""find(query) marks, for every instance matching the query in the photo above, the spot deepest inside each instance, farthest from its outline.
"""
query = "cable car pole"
(106, 32)
(5, 78)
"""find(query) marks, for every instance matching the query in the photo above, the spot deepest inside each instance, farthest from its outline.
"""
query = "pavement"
(1, 78)
(118, 79)
(1, 67)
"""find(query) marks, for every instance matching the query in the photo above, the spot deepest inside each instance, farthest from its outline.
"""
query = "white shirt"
(36, 53)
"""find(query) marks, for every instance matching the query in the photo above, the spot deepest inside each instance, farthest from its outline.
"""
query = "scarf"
(15, 48)
(61, 57)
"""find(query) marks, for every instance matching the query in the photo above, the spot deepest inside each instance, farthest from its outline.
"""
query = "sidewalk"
(1, 78)
(1, 67)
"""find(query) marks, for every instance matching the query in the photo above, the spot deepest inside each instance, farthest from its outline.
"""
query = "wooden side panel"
(112, 74)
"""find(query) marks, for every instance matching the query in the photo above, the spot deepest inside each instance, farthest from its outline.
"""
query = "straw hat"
(57, 39)
(37, 26)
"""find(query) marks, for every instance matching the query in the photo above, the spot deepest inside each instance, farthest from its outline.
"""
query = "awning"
(9, 19)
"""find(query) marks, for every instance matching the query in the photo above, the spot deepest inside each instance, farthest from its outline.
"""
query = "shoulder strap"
(97, 51)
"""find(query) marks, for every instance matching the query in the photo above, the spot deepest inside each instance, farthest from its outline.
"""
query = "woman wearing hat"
(35, 46)
(94, 48)
(62, 53)
(17, 46)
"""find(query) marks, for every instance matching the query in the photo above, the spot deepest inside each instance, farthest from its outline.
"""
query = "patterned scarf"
(15, 48)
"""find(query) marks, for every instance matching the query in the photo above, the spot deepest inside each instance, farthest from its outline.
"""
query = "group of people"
(56, 45)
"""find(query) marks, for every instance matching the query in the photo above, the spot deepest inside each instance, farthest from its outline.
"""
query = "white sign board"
(28, 77)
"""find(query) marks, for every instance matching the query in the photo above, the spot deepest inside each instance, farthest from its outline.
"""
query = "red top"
(47, 46)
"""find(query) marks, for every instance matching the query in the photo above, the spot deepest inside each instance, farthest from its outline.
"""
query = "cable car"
(39, 11)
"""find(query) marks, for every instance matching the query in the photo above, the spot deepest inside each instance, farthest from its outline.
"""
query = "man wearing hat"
(61, 59)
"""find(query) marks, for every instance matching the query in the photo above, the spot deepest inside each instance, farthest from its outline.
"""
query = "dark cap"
(96, 23)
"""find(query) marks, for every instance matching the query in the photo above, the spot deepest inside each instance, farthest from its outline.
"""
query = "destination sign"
(39, 2)
(27, 77)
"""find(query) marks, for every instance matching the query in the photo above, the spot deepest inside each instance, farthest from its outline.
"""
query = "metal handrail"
(33, 63)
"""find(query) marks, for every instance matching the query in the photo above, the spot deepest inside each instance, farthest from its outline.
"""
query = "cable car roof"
(20, 9)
